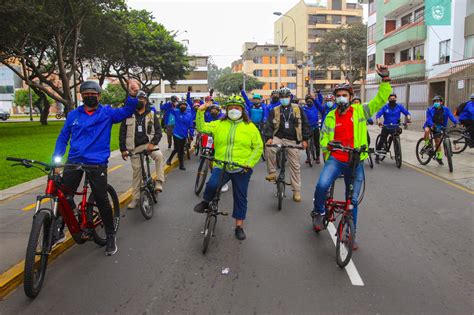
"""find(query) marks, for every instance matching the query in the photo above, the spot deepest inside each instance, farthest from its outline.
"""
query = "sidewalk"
(17, 205)
(463, 173)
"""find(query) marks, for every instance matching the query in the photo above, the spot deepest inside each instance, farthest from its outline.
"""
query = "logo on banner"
(437, 12)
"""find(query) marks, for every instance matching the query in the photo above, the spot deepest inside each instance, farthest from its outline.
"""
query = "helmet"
(329, 97)
(87, 86)
(285, 92)
(344, 87)
(257, 96)
(174, 98)
(141, 94)
(392, 94)
(182, 102)
(235, 100)
(472, 96)
(308, 97)
(356, 98)
(275, 92)
(213, 106)
(437, 98)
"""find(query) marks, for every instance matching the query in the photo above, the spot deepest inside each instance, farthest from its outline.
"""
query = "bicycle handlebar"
(211, 158)
(336, 145)
(283, 146)
(29, 163)
(145, 152)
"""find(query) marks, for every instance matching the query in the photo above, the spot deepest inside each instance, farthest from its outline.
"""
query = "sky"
(217, 28)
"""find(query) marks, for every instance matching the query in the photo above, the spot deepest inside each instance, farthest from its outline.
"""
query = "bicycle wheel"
(459, 141)
(278, 159)
(345, 240)
(93, 215)
(397, 149)
(423, 152)
(384, 147)
(38, 245)
(308, 156)
(201, 175)
(146, 204)
(371, 162)
(209, 226)
(280, 193)
(448, 152)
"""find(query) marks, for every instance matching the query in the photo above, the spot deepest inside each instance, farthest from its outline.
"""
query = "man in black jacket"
(142, 132)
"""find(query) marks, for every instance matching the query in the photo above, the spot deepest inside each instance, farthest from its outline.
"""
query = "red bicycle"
(84, 222)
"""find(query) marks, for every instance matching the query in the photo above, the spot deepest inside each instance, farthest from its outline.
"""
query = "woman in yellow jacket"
(236, 139)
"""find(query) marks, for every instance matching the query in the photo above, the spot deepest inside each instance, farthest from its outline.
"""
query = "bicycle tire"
(371, 162)
(384, 147)
(32, 279)
(94, 215)
(146, 204)
(308, 156)
(459, 141)
(448, 153)
(209, 226)
(278, 159)
(345, 239)
(397, 149)
(201, 175)
(280, 193)
(422, 156)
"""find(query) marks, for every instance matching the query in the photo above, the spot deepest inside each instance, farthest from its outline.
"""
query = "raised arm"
(246, 99)
(119, 114)
(201, 125)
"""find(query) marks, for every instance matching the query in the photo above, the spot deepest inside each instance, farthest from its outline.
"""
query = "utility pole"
(279, 56)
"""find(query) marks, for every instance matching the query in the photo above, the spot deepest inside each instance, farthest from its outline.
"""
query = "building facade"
(311, 20)
(9, 82)
(273, 65)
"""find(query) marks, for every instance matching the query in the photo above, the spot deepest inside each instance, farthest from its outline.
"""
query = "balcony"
(410, 33)
(393, 8)
(411, 68)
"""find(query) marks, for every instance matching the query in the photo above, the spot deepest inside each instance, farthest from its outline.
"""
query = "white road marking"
(351, 269)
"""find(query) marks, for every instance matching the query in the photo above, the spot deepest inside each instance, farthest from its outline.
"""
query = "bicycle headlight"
(57, 159)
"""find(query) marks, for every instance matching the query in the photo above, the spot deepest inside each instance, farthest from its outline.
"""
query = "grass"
(32, 141)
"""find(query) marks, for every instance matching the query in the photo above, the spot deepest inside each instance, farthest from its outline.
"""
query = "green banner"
(438, 12)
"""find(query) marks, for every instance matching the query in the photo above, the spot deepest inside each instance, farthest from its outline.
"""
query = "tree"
(214, 73)
(345, 48)
(229, 84)
(39, 100)
(113, 94)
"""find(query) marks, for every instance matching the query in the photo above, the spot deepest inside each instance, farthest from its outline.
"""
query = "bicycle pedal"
(223, 213)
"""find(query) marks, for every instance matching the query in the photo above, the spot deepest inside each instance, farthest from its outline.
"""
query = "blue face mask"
(329, 104)
(285, 101)
(437, 105)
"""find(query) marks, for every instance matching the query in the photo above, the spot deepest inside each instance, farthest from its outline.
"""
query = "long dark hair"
(245, 116)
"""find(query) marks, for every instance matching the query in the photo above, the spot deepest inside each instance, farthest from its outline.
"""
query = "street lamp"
(279, 58)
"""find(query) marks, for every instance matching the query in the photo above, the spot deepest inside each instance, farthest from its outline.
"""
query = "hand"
(211, 92)
(57, 170)
(241, 87)
(190, 88)
(133, 87)
(305, 144)
(150, 147)
(383, 72)
(125, 155)
(269, 141)
(204, 106)
(318, 91)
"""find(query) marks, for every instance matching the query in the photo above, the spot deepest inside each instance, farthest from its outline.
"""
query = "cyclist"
(311, 111)
(465, 113)
(168, 119)
(437, 120)
(87, 130)
(287, 125)
(141, 132)
(391, 113)
(274, 100)
(237, 140)
(255, 108)
(328, 106)
(348, 125)
(182, 131)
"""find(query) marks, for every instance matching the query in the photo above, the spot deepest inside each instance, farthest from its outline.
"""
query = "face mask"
(182, 109)
(256, 104)
(275, 99)
(234, 114)
(91, 101)
(285, 101)
(329, 104)
(309, 104)
(437, 105)
(342, 100)
(392, 103)
(214, 115)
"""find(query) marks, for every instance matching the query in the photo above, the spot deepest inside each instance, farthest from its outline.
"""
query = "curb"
(13, 277)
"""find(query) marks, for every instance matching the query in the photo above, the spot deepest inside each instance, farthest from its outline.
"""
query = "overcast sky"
(217, 27)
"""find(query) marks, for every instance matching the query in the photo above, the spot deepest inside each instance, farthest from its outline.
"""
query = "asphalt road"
(415, 235)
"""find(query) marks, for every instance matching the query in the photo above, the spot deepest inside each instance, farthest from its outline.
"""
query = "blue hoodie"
(257, 115)
(89, 135)
(468, 112)
(430, 113)
(391, 116)
(183, 123)
(166, 108)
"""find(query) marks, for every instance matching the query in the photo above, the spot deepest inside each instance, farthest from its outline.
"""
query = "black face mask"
(182, 109)
(309, 104)
(342, 107)
(392, 103)
(275, 99)
(214, 115)
(91, 101)
(256, 105)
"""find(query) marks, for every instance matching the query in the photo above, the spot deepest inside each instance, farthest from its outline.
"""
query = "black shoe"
(59, 238)
(111, 247)
(377, 159)
(201, 207)
(239, 233)
(440, 161)
(182, 168)
(168, 162)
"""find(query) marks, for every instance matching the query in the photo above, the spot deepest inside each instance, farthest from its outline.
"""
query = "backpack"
(460, 109)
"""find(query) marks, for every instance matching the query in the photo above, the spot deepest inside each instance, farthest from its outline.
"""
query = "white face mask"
(342, 100)
(234, 114)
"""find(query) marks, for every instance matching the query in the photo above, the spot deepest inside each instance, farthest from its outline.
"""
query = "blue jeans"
(331, 171)
(240, 185)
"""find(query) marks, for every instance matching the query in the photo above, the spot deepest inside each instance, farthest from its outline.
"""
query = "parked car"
(4, 115)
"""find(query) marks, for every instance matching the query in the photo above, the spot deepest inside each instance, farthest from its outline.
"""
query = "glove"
(241, 87)
(383, 72)
(190, 88)
(318, 91)
(211, 92)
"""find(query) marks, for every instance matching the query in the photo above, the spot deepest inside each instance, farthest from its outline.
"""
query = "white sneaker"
(225, 188)
(132, 204)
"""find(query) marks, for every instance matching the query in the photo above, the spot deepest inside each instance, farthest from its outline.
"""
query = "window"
(405, 55)
(318, 74)
(371, 34)
(201, 62)
(315, 33)
(317, 19)
(371, 62)
(336, 19)
(258, 60)
(419, 15)
(444, 51)
(270, 73)
(353, 19)
(291, 73)
(335, 75)
(291, 86)
(312, 47)
(351, 6)
(419, 52)
(6, 89)
(371, 6)
(291, 60)
(406, 19)
(337, 4)
(389, 58)
(258, 73)
(469, 47)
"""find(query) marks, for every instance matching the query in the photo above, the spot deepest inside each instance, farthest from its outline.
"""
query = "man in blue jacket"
(391, 113)
(255, 108)
(183, 130)
(87, 130)
(466, 117)
(274, 100)
(436, 120)
(328, 105)
(312, 110)
(168, 119)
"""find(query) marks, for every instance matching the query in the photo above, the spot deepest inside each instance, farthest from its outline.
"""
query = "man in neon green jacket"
(236, 139)
(346, 124)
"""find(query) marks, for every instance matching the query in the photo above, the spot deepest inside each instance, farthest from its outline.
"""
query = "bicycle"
(393, 137)
(148, 193)
(187, 147)
(213, 209)
(261, 129)
(311, 150)
(281, 179)
(197, 144)
(461, 140)
(425, 153)
(342, 209)
(207, 146)
(84, 225)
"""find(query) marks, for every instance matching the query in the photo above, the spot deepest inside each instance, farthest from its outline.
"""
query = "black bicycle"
(311, 150)
(148, 193)
(393, 138)
(426, 152)
(281, 179)
(460, 139)
(213, 209)
(204, 164)
(261, 129)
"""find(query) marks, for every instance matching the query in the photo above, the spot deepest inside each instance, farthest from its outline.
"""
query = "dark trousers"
(383, 137)
(169, 134)
(178, 148)
(315, 135)
(469, 124)
(240, 185)
(98, 183)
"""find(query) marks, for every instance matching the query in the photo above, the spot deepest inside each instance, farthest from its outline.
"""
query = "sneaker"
(317, 220)
(201, 207)
(307, 161)
(182, 168)
(133, 204)
(60, 237)
(111, 246)
(355, 245)
(271, 177)
(440, 161)
(318, 161)
(239, 233)
(297, 196)
(225, 188)
(159, 186)
(168, 162)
